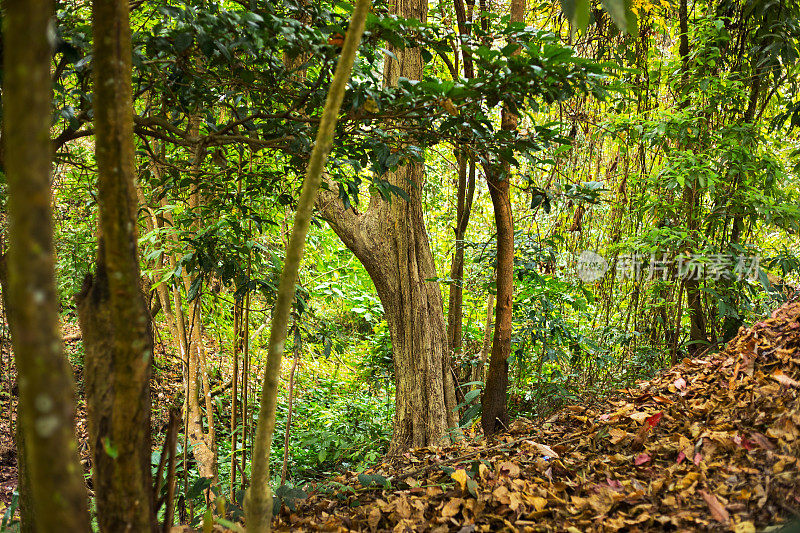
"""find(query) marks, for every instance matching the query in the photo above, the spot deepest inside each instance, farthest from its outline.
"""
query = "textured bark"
(494, 416)
(51, 476)
(113, 315)
(204, 442)
(391, 241)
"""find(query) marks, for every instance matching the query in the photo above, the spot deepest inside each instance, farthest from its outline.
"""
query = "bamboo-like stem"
(258, 503)
(237, 313)
(246, 367)
(290, 400)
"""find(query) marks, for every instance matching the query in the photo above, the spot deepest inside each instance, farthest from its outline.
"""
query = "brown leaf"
(546, 450)
(509, 469)
(616, 435)
(783, 379)
(460, 477)
(452, 507)
(374, 518)
(719, 512)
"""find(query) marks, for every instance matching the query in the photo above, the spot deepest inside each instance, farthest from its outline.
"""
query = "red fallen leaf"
(641, 459)
(652, 421)
(681, 458)
(719, 512)
(697, 459)
(743, 441)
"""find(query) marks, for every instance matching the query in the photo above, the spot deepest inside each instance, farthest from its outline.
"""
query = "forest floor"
(711, 444)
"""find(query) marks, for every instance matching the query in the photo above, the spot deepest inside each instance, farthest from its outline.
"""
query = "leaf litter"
(711, 444)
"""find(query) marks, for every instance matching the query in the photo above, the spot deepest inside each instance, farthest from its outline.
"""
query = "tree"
(113, 316)
(494, 414)
(49, 466)
(391, 241)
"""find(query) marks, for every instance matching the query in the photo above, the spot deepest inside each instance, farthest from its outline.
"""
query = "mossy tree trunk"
(50, 472)
(113, 315)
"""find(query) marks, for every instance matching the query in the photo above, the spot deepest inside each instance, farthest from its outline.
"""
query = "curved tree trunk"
(54, 497)
(113, 315)
(391, 242)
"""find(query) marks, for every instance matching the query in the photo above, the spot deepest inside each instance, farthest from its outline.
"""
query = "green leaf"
(289, 496)
(230, 525)
(472, 487)
(373, 480)
(110, 449)
(622, 14)
(194, 288)
(471, 395)
(182, 41)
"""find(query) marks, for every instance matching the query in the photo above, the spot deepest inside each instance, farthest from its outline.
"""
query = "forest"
(400, 265)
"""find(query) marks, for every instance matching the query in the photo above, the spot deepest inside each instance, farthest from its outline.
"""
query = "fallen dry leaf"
(719, 512)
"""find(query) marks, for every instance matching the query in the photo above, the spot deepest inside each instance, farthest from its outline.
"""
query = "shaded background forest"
(628, 145)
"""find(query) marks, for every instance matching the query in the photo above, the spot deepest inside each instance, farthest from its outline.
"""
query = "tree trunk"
(205, 442)
(494, 416)
(54, 497)
(113, 315)
(391, 242)
(191, 351)
(698, 339)
(466, 190)
(258, 497)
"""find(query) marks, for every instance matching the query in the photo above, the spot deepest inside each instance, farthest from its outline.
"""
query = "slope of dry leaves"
(712, 444)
